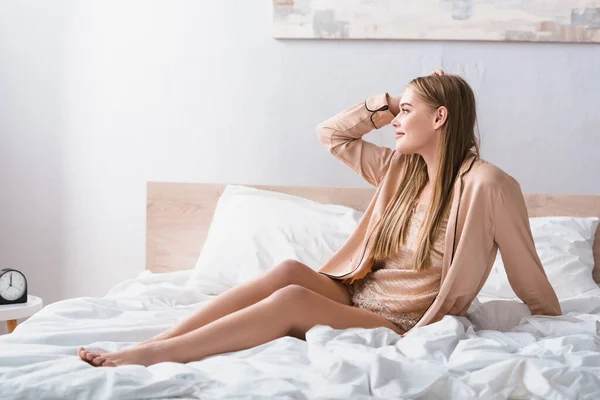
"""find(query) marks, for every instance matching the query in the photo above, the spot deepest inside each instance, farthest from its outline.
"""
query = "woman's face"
(416, 125)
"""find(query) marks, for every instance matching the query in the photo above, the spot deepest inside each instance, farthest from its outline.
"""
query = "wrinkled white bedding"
(541, 358)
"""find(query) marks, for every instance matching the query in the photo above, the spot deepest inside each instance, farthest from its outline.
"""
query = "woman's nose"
(395, 122)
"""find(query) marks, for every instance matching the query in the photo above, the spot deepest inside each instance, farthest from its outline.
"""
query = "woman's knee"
(288, 272)
(291, 294)
(290, 305)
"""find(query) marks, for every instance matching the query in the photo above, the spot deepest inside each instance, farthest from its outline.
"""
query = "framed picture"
(496, 20)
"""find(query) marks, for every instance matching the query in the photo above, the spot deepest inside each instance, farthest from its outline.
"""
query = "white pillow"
(565, 248)
(252, 230)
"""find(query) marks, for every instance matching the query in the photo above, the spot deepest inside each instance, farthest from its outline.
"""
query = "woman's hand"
(437, 72)
(394, 104)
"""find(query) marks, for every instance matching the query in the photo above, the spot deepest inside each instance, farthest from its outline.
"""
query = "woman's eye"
(405, 111)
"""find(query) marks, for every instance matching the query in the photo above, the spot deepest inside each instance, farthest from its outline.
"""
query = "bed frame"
(178, 216)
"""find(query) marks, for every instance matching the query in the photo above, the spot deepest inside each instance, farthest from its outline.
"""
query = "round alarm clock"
(13, 286)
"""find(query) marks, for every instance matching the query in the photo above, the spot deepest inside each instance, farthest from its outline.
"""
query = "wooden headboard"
(178, 216)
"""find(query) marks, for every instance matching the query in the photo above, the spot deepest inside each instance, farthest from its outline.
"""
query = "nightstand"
(11, 312)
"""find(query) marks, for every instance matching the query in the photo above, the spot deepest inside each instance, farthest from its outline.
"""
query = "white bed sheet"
(542, 358)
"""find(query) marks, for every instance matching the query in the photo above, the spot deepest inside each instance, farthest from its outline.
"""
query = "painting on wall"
(499, 20)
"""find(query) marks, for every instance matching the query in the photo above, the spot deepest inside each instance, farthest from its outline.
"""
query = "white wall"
(96, 98)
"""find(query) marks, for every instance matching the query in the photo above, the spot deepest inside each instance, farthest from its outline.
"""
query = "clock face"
(12, 285)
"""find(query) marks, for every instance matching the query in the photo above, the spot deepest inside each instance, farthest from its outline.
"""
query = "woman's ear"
(441, 115)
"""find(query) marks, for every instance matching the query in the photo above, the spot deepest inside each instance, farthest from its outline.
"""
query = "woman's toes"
(84, 354)
(90, 356)
(98, 361)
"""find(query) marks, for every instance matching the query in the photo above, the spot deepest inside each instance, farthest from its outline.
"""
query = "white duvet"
(541, 358)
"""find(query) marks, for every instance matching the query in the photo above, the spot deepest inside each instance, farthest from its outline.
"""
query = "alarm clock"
(13, 286)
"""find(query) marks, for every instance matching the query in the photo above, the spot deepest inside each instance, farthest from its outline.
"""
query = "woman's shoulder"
(486, 174)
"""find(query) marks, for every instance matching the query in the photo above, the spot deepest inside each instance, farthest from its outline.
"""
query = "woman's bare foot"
(139, 355)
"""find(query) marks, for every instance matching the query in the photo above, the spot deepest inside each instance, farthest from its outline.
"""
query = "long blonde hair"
(458, 140)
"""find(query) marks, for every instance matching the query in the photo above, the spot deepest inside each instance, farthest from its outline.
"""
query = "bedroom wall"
(96, 98)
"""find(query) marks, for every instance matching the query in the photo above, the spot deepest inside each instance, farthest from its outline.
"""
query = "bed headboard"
(178, 216)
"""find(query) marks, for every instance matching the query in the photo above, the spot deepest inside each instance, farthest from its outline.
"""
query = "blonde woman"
(422, 250)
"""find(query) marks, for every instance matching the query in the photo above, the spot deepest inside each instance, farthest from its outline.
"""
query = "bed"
(540, 357)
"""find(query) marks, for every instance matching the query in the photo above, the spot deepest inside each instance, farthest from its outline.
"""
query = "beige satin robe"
(488, 213)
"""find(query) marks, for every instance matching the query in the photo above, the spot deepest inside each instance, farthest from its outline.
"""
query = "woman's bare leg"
(292, 310)
(289, 272)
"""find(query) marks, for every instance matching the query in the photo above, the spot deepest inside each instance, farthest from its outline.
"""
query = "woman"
(422, 250)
